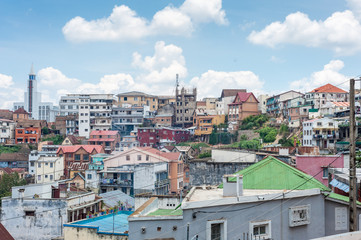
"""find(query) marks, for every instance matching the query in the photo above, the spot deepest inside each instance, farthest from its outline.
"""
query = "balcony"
(116, 182)
(161, 183)
(317, 136)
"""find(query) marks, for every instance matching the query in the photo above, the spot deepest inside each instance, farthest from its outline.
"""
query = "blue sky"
(118, 46)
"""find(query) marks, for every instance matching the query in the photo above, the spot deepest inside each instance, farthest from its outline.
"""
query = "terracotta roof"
(201, 103)
(24, 123)
(73, 139)
(5, 157)
(243, 96)
(88, 148)
(11, 170)
(95, 132)
(21, 111)
(341, 104)
(5, 235)
(170, 156)
(5, 113)
(101, 140)
(231, 92)
(328, 88)
(169, 148)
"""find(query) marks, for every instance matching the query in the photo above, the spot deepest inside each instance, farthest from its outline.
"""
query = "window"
(89, 176)
(299, 215)
(260, 229)
(86, 157)
(46, 176)
(139, 157)
(216, 229)
(127, 158)
(39, 177)
(32, 164)
(51, 165)
(147, 158)
(39, 165)
(77, 157)
(325, 172)
(125, 98)
(30, 213)
(51, 177)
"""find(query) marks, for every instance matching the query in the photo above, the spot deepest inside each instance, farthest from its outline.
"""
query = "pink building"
(317, 166)
(153, 137)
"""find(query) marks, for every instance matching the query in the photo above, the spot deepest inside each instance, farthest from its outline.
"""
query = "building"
(6, 114)
(108, 227)
(20, 114)
(28, 131)
(262, 106)
(166, 100)
(77, 157)
(276, 104)
(67, 124)
(227, 97)
(143, 169)
(128, 119)
(7, 131)
(318, 97)
(244, 105)
(291, 206)
(331, 109)
(138, 99)
(185, 106)
(320, 132)
(152, 137)
(48, 151)
(163, 120)
(129, 142)
(20, 171)
(37, 109)
(109, 140)
(94, 111)
(49, 169)
(40, 210)
(204, 123)
(318, 166)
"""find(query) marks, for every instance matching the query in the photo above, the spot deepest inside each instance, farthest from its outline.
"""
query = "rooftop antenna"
(176, 80)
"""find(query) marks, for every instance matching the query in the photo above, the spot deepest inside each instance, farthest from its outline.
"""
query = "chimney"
(232, 188)
(21, 193)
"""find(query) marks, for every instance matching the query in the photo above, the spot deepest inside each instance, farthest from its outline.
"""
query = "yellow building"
(204, 124)
(138, 99)
(49, 169)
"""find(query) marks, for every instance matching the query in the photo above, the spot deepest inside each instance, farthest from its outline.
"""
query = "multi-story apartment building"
(276, 104)
(244, 105)
(320, 132)
(45, 151)
(49, 169)
(185, 106)
(153, 137)
(128, 119)
(94, 111)
(77, 157)
(204, 123)
(67, 124)
(318, 97)
(139, 170)
(109, 140)
(37, 109)
(7, 131)
(166, 100)
(137, 99)
(28, 131)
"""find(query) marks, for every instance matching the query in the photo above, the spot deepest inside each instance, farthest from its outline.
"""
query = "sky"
(117, 46)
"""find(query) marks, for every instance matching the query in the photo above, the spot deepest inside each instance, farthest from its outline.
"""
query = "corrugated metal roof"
(271, 173)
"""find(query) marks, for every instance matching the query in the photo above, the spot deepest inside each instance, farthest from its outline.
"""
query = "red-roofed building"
(5, 235)
(20, 113)
(110, 140)
(77, 157)
(328, 93)
(244, 105)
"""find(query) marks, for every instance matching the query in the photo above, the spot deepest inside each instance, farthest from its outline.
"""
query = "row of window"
(46, 176)
(46, 164)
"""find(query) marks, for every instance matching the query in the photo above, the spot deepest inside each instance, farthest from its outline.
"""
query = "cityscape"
(180, 120)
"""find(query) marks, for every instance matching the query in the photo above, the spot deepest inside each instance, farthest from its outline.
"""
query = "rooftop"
(104, 224)
(166, 212)
(328, 88)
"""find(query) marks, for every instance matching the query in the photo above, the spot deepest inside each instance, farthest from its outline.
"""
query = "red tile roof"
(101, 140)
(341, 104)
(328, 88)
(100, 132)
(74, 148)
(21, 111)
(243, 97)
(170, 156)
(5, 235)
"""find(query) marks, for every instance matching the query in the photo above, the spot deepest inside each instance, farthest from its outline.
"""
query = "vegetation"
(286, 142)
(268, 134)
(57, 139)
(8, 181)
(45, 131)
(10, 149)
(205, 155)
(253, 144)
(284, 129)
(223, 137)
(254, 122)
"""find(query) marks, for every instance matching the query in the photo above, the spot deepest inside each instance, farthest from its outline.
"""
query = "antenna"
(176, 80)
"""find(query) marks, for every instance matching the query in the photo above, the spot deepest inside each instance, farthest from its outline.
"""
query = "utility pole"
(353, 182)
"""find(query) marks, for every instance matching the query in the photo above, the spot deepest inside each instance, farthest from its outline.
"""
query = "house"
(6, 114)
(244, 105)
(48, 169)
(117, 199)
(165, 100)
(204, 122)
(335, 108)
(109, 140)
(40, 210)
(20, 114)
(44, 150)
(268, 200)
(318, 97)
(20, 171)
(185, 105)
(276, 104)
(77, 157)
(14, 160)
(67, 124)
(28, 131)
(143, 169)
(320, 132)
(7, 131)
(163, 120)
(227, 97)
(318, 166)
(129, 142)
(152, 137)
(72, 140)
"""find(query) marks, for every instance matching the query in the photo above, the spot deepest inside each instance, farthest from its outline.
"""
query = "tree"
(268, 134)
(8, 181)
(45, 130)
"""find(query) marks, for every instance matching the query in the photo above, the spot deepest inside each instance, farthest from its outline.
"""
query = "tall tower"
(31, 96)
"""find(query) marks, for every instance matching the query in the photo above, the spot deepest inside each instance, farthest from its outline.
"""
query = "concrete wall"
(238, 221)
(42, 190)
(219, 155)
(164, 202)
(74, 233)
(49, 215)
(211, 173)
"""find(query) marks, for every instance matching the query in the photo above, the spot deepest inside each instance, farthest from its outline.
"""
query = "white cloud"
(124, 24)
(355, 6)
(6, 81)
(51, 77)
(211, 83)
(329, 74)
(9, 93)
(341, 32)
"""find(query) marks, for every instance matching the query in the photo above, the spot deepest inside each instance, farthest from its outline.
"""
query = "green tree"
(45, 130)
(268, 134)
(8, 181)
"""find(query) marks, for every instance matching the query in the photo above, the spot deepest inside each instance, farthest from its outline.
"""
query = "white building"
(262, 103)
(94, 111)
(320, 132)
(32, 102)
(49, 169)
(7, 131)
(324, 94)
(227, 97)
(46, 151)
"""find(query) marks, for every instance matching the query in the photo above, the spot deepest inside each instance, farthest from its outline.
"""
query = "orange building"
(244, 105)
(20, 113)
(163, 120)
(204, 124)
(28, 131)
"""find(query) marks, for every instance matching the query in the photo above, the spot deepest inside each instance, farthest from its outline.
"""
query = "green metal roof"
(166, 212)
(313, 110)
(339, 197)
(271, 173)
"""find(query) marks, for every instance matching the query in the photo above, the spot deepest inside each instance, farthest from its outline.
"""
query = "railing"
(126, 182)
(161, 183)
